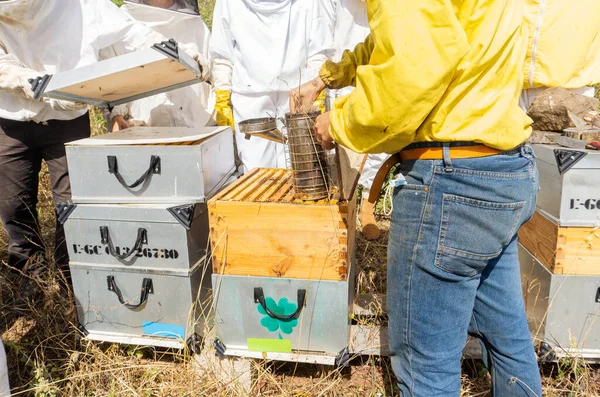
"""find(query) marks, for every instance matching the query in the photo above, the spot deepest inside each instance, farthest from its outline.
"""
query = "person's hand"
(192, 50)
(303, 97)
(119, 123)
(321, 129)
(223, 109)
(65, 106)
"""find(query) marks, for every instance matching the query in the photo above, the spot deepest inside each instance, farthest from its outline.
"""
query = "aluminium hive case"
(151, 165)
(563, 310)
(570, 192)
(139, 272)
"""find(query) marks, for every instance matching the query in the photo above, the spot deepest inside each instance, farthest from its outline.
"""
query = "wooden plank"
(369, 340)
(350, 167)
(374, 341)
(255, 183)
(587, 136)
(540, 237)
(563, 250)
(225, 193)
(279, 240)
(544, 137)
(284, 190)
(282, 179)
(578, 251)
(369, 305)
(270, 179)
(146, 78)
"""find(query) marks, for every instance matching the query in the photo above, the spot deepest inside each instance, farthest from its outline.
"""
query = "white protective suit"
(351, 27)
(4, 384)
(185, 107)
(49, 36)
(261, 49)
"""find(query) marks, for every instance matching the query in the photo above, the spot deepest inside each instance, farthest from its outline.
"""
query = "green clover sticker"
(283, 308)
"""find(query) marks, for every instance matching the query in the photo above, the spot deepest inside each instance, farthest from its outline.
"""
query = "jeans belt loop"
(447, 157)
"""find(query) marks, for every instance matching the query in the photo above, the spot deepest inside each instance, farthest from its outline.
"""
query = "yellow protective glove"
(223, 109)
(320, 102)
(342, 74)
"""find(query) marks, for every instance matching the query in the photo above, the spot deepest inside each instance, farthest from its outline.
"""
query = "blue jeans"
(453, 270)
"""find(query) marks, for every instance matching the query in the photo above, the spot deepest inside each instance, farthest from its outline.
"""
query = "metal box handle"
(259, 297)
(113, 168)
(147, 288)
(142, 238)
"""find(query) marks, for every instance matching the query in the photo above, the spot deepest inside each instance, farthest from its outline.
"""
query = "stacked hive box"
(282, 269)
(560, 253)
(137, 231)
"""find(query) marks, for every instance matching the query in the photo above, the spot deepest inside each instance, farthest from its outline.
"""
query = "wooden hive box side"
(282, 239)
(563, 250)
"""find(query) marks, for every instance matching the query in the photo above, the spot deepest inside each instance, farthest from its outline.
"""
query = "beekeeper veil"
(25, 14)
(186, 6)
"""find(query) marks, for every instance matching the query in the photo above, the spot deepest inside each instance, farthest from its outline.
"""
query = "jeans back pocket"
(473, 232)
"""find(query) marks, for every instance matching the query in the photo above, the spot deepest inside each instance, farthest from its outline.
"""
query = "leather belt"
(427, 151)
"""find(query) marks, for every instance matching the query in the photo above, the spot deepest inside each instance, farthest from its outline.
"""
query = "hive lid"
(150, 136)
(124, 78)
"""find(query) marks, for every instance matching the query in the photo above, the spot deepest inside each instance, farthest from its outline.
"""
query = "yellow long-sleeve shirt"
(564, 44)
(442, 70)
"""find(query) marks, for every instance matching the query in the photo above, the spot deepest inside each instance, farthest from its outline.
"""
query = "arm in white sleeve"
(321, 45)
(117, 29)
(315, 63)
(14, 76)
(222, 72)
(221, 47)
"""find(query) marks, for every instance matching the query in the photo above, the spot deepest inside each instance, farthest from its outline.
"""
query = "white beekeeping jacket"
(40, 37)
(272, 45)
(351, 27)
(185, 107)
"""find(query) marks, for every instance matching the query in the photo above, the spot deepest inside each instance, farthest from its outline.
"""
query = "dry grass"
(47, 357)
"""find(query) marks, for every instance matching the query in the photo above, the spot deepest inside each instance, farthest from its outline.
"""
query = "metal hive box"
(152, 307)
(140, 272)
(563, 310)
(570, 192)
(151, 165)
(157, 236)
(250, 314)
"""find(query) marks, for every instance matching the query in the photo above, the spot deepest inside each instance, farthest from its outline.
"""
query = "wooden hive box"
(258, 229)
(563, 250)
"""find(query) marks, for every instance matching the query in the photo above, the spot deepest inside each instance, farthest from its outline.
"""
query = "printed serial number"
(157, 253)
(589, 204)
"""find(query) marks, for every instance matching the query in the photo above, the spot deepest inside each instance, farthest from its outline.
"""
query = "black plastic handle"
(142, 238)
(259, 297)
(113, 168)
(147, 288)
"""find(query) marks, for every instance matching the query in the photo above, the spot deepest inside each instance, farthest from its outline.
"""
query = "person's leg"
(429, 309)
(448, 227)
(53, 138)
(19, 168)
(499, 320)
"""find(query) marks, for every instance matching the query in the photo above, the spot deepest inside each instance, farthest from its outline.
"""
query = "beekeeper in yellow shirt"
(438, 84)
(564, 47)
